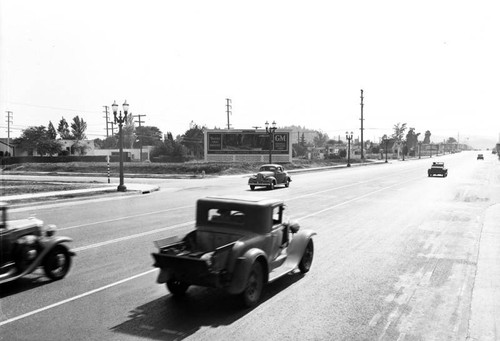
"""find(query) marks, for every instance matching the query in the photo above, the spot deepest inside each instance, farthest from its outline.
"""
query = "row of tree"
(48, 140)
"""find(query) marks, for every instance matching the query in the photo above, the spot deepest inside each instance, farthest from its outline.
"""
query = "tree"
(412, 140)
(451, 140)
(128, 132)
(320, 139)
(78, 127)
(427, 138)
(170, 150)
(148, 135)
(51, 131)
(399, 131)
(63, 130)
(38, 139)
(109, 142)
(193, 140)
(302, 140)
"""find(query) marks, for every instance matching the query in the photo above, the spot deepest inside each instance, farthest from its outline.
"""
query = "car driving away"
(269, 176)
(437, 168)
(239, 244)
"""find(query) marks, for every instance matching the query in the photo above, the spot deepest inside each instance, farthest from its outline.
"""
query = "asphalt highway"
(398, 256)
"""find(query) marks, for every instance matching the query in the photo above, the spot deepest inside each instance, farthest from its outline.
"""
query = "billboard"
(247, 142)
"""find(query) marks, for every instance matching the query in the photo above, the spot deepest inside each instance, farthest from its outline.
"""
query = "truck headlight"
(50, 230)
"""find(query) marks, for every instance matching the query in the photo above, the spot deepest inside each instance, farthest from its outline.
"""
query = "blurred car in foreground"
(26, 245)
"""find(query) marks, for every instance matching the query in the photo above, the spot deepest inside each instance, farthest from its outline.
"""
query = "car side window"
(226, 216)
(277, 215)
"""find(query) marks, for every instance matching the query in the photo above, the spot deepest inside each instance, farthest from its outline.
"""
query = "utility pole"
(9, 121)
(362, 119)
(228, 111)
(107, 120)
(140, 140)
(112, 124)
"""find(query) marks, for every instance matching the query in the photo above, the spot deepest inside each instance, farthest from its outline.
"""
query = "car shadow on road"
(175, 318)
(26, 283)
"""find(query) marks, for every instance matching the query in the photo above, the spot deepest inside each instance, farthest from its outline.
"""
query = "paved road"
(399, 256)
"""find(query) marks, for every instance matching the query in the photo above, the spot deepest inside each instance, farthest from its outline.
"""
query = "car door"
(278, 237)
(280, 175)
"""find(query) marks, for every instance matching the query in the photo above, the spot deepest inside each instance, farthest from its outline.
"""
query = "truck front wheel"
(177, 288)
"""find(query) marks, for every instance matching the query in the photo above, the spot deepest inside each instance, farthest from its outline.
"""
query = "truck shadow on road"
(175, 318)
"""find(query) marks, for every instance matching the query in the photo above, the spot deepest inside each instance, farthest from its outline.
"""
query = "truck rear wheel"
(177, 288)
(255, 284)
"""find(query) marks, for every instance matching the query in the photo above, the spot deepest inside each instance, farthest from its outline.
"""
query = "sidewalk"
(141, 188)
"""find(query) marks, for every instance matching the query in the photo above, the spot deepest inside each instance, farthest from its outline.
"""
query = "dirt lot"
(13, 187)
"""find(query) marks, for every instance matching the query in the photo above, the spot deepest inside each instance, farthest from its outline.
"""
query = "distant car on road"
(269, 176)
(437, 168)
(480, 156)
(238, 245)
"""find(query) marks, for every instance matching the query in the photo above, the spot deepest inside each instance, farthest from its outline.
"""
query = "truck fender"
(298, 245)
(242, 269)
(49, 244)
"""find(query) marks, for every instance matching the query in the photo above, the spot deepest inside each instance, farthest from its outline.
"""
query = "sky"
(434, 65)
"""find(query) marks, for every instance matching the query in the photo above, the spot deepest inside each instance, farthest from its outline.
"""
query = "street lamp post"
(120, 119)
(386, 141)
(270, 131)
(349, 138)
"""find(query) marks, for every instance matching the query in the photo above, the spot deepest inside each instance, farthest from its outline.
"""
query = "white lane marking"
(354, 199)
(183, 207)
(75, 297)
(123, 218)
(150, 271)
(138, 235)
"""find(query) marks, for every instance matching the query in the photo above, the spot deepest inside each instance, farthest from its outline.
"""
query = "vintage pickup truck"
(437, 168)
(239, 244)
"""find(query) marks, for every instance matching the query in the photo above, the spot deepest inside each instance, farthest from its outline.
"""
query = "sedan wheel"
(57, 263)
(271, 186)
(254, 287)
(252, 187)
(307, 258)
(287, 183)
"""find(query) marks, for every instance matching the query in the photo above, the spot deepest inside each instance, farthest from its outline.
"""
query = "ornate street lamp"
(120, 119)
(386, 141)
(270, 131)
(349, 138)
